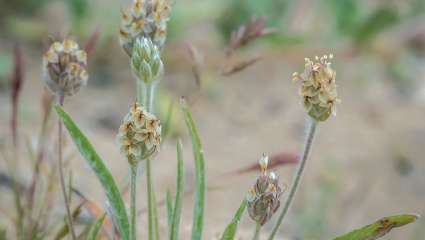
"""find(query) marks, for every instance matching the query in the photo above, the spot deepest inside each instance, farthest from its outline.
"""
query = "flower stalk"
(61, 98)
(133, 210)
(64, 69)
(257, 231)
(311, 130)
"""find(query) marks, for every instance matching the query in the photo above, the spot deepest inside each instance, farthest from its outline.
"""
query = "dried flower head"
(146, 61)
(318, 87)
(264, 197)
(145, 18)
(64, 66)
(139, 135)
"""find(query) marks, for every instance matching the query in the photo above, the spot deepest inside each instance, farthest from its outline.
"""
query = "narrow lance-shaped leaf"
(95, 228)
(379, 228)
(198, 152)
(179, 194)
(103, 174)
(169, 202)
(230, 231)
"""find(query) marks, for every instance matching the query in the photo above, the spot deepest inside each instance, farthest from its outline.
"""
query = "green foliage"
(21, 7)
(178, 203)
(238, 12)
(95, 228)
(3, 233)
(103, 174)
(198, 153)
(346, 14)
(379, 228)
(230, 231)
(79, 11)
(378, 21)
(351, 21)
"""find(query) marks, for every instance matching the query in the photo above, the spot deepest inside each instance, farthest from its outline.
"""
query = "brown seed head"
(139, 135)
(145, 18)
(64, 66)
(264, 197)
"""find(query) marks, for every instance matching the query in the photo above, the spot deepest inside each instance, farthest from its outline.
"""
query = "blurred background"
(367, 162)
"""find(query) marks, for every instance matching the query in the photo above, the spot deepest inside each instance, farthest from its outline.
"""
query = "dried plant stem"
(311, 129)
(133, 180)
(61, 174)
(257, 232)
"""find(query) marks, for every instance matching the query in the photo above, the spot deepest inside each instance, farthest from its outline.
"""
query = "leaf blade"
(379, 228)
(198, 211)
(169, 203)
(102, 172)
(95, 228)
(179, 194)
(230, 231)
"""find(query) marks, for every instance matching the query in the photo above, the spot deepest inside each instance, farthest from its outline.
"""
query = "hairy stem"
(311, 129)
(133, 180)
(61, 174)
(257, 232)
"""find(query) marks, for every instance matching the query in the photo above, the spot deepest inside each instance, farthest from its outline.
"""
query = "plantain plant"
(142, 36)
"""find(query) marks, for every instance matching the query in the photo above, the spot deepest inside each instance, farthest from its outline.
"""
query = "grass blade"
(379, 228)
(230, 231)
(103, 174)
(179, 195)
(198, 152)
(95, 228)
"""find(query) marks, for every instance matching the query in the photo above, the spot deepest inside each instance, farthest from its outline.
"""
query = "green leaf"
(169, 199)
(198, 152)
(179, 195)
(230, 231)
(379, 228)
(103, 174)
(95, 228)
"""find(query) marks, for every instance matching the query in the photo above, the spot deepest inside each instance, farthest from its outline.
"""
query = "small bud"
(144, 19)
(318, 87)
(139, 135)
(264, 197)
(64, 67)
(146, 61)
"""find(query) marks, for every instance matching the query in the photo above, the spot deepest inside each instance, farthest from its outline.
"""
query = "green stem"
(311, 129)
(141, 92)
(150, 97)
(150, 200)
(257, 232)
(61, 174)
(152, 225)
(133, 181)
